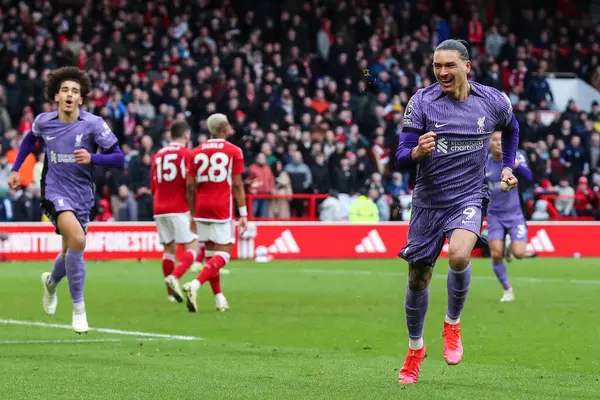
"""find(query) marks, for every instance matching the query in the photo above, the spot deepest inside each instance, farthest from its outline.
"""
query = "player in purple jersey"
(72, 138)
(505, 214)
(446, 132)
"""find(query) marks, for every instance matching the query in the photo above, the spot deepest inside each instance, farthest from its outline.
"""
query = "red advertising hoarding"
(283, 240)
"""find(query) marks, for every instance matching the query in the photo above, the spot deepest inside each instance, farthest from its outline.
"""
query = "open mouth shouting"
(446, 83)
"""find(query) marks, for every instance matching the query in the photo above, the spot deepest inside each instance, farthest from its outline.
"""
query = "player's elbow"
(238, 187)
(403, 157)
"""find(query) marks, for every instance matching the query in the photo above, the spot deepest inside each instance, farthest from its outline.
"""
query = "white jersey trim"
(171, 214)
(212, 220)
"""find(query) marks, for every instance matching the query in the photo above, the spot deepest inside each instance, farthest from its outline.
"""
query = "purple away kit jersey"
(65, 183)
(454, 172)
(504, 210)
(504, 204)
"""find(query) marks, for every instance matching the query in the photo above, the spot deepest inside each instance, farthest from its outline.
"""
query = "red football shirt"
(168, 179)
(214, 163)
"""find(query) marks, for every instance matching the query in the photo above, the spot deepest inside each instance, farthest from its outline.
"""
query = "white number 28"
(213, 169)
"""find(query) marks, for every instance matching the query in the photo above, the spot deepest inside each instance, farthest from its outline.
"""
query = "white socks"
(195, 284)
(79, 308)
(415, 344)
(451, 321)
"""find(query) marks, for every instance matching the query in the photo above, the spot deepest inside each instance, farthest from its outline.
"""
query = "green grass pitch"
(303, 330)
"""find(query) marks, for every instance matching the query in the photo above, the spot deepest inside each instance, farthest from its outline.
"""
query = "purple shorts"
(53, 207)
(499, 227)
(429, 228)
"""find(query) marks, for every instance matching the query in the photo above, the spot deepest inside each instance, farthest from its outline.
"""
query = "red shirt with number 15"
(168, 179)
(213, 163)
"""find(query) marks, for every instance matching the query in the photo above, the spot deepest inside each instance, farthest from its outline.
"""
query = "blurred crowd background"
(315, 91)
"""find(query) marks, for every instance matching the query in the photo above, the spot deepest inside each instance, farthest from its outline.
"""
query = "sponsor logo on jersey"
(444, 146)
(61, 158)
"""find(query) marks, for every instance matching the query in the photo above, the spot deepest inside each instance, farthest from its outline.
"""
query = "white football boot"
(80, 324)
(509, 295)
(173, 283)
(172, 299)
(50, 299)
(191, 297)
(221, 302)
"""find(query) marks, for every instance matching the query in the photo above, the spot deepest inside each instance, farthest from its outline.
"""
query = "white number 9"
(469, 212)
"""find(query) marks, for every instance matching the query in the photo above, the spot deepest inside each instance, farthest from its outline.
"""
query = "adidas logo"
(372, 243)
(284, 244)
(541, 243)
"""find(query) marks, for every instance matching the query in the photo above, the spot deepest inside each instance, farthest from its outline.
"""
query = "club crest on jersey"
(481, 125)
(409, 108)
(78, 140)
(408, 111)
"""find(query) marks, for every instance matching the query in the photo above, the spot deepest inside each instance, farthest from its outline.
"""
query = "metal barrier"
(310, 209)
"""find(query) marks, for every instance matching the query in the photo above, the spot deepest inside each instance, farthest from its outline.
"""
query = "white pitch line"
(58, 341)
(357, 272)
(103, 330)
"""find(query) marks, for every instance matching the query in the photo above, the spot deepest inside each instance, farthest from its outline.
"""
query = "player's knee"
(77, 241)
(497, 259)
(419, 276)
(519, 249)
(496, 255)
(459, 261)
(170, 248)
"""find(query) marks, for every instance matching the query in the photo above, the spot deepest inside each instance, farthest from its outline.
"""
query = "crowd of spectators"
(315, 91)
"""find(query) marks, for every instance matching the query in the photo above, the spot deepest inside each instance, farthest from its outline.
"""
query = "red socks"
(201, 253)
(185, 262)
(212, 267)
(168, 265)
(215, 284)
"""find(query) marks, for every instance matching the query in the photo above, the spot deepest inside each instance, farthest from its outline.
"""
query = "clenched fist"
(14, 180)
(425, 147)
(509, 181)
(82, 156)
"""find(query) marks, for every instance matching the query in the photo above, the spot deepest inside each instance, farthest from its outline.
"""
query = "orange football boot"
(453, 349)
(409, 373)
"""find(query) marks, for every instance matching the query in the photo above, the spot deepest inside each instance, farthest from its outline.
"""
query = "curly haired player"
(72, 138)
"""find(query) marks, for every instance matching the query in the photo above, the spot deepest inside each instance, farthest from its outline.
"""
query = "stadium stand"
(315, 90)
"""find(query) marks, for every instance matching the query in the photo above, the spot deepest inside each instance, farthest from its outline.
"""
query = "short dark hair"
(58, 76)
(178, 129)
(458, 45)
